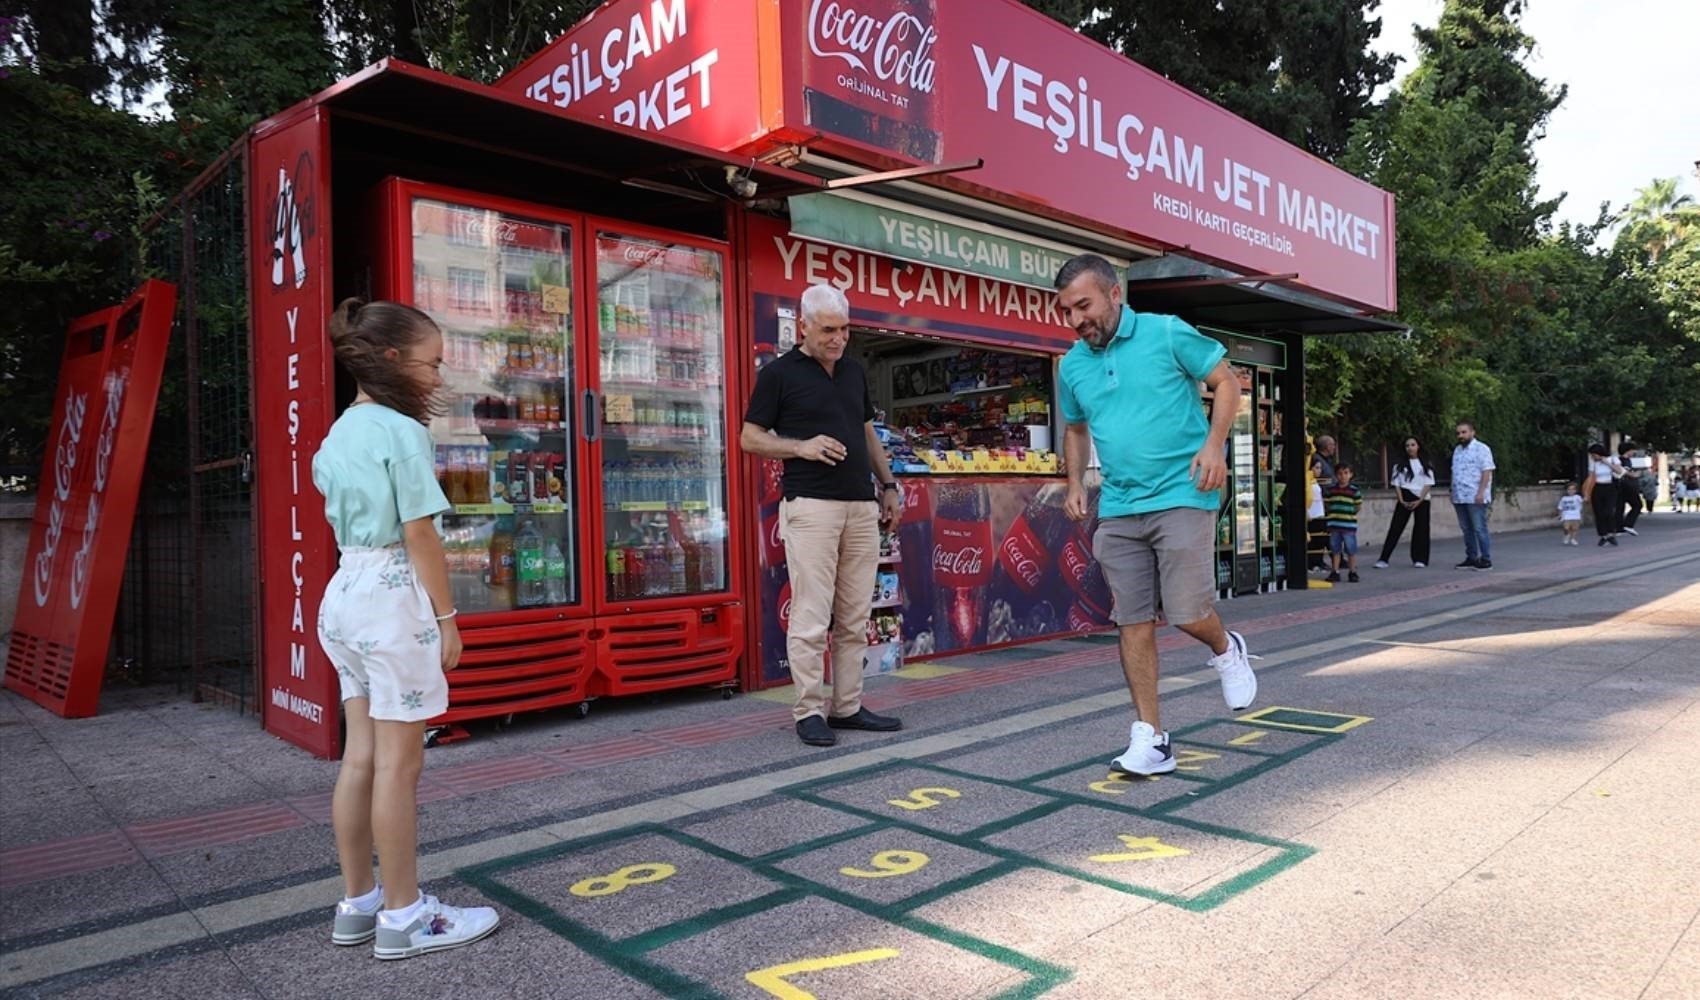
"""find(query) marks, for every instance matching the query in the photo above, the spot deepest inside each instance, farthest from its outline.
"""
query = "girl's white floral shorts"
(377, 627)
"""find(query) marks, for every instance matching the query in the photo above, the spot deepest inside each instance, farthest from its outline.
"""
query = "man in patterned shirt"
(1472, 493)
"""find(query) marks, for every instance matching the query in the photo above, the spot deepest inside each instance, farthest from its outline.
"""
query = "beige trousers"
(832, 551)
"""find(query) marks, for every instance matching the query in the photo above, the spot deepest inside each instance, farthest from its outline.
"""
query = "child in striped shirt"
(1343, 500)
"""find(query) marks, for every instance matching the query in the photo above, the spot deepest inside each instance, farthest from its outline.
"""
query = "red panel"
(519, 668)
(663, 650)
(689, 68)
(293, 394)
(1066, 125)
(103, 411)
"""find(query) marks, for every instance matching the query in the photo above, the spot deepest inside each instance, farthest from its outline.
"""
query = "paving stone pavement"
(1453, 784)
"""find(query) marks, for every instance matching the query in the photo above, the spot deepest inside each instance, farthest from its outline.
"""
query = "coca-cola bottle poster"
(1005, 565)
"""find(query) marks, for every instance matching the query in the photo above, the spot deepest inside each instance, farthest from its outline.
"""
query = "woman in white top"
(1413, 478)
(1601, 491)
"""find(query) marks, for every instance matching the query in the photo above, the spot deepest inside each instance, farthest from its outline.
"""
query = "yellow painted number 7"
(772, 978)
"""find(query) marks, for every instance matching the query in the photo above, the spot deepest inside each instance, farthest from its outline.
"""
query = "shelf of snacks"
(885, 643)
(920, 451)
(891, 551)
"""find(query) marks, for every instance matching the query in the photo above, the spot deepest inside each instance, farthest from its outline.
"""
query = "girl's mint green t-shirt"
(377, 471)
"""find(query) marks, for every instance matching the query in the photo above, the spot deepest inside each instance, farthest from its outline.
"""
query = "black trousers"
(1605, 508)
(1419, 531)
(1628, 503)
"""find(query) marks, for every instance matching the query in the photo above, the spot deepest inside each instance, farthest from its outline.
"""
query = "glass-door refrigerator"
(502, 282)
(662, 456)
(583, 446)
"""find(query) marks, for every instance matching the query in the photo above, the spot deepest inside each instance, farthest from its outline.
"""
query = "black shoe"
(1332, 578)
(1352, 576)
(813, 730)
(1484, 564)
(864, 719)
(1466, 564)
(1602, 541)
(1611, 539)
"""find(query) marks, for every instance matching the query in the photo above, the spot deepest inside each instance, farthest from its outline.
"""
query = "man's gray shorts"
(1176, 547)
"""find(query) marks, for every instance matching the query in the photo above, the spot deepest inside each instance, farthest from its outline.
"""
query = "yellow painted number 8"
(608, 885)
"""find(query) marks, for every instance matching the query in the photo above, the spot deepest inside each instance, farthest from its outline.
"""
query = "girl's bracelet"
(451, 614)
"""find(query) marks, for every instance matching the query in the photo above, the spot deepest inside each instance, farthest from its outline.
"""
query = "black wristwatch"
(889, 486)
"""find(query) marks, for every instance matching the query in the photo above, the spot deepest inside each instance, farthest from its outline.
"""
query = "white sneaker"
(434, 927)
(354, 925)
(1381, 564)
(1420, 565)
(1147, 752)
(1630, 531)
(1239, 684)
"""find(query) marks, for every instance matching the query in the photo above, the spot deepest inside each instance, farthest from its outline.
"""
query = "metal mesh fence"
(186, 616)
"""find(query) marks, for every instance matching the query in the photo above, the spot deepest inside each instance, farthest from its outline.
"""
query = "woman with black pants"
(1603, 468)
(1413, 478)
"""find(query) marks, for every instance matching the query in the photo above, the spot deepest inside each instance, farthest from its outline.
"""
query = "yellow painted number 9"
(888, 864)
(608, 885)
(924, 798)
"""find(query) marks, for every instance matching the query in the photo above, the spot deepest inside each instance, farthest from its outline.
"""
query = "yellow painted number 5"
(924, 798)
(772, 978)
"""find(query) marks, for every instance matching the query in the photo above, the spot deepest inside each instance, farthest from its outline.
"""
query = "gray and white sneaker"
(1147, 752)
(354, 925)
(1233, 666)
(435, 927)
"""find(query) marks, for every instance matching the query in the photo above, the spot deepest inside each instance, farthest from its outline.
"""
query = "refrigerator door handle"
(592, 424)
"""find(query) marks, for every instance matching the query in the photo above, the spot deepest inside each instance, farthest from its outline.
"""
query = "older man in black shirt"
(811, 409)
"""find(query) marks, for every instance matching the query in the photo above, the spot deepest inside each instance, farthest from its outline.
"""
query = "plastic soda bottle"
(528, 566)
(554, 573)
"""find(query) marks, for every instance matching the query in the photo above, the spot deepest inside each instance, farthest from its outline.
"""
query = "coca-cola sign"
(64, 468)
(959, 552)
(483, 229)
(1022, 557)
(896, 49)
(81, 563)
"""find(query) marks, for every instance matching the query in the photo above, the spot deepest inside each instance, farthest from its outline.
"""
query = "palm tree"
(1659, 216)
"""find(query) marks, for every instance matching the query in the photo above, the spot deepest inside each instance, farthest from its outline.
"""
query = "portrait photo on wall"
(920, 378)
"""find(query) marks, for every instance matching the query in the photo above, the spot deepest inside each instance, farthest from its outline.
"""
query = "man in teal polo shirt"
(1130, 387)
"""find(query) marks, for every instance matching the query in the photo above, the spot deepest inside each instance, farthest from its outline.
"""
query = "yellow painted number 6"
(772, 978)
(608, 885)
(888, 864)
(924, 798)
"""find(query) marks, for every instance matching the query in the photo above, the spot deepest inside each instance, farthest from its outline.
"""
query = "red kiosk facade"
(940, 157)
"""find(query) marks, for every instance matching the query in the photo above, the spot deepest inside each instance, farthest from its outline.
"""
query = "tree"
(477, 40)
(1475, 58)
(1512, 326)
(78, 178)
(224, 66)
(1660, 216)
(1302, 69)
